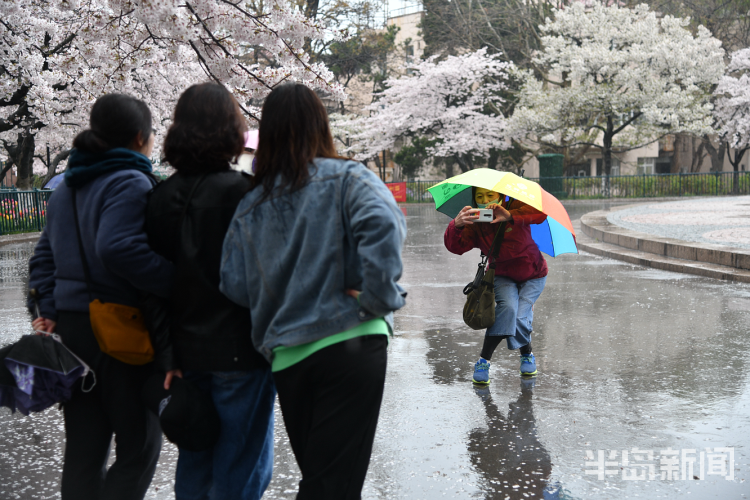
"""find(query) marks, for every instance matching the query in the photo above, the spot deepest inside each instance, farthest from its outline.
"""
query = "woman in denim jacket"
(314, 251)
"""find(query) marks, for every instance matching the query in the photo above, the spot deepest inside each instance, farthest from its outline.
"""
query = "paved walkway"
(722, 221)
(704, 236)
(12, 239)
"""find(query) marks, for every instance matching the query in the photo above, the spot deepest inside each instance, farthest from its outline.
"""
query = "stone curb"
(12, 239)
(596, 225)
(600, 237)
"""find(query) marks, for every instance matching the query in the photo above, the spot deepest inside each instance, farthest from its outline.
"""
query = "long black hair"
(293, 131)
(115, 121)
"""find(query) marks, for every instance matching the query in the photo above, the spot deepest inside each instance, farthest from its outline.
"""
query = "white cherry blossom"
(456, 101)
(617, 77)
(58, 56)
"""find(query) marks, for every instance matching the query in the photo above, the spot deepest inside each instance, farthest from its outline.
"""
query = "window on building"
(614, 169)
(663, 165)
(410, 50)
(646, 166)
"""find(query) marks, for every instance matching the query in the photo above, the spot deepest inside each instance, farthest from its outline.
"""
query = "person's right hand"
(169, 376)
(467, 215)
(44, 325)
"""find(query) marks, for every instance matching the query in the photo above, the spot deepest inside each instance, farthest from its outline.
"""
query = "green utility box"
(551, 174)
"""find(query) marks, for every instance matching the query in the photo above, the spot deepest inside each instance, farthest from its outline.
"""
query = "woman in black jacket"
(186, 221)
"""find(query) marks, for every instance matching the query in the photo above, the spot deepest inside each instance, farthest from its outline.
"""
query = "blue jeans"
(239, 467)
(514, 309)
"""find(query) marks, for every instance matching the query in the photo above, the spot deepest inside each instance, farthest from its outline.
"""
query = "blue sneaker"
(528, 365)
(481, 372)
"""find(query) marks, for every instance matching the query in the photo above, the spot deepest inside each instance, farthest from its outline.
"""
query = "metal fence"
(623, 186)
(23, 211)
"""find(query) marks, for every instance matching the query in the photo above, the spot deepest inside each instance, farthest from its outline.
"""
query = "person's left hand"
(501, 215)
(353, 293)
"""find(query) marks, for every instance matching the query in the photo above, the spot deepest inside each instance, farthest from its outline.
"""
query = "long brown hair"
(294, 130)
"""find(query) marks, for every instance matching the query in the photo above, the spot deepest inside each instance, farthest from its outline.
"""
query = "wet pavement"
(629, 359)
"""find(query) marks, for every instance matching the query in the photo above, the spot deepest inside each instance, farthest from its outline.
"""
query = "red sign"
(398, 189)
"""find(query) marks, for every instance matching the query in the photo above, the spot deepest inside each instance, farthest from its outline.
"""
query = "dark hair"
(115, 121)
(294, 130)
(208, 130)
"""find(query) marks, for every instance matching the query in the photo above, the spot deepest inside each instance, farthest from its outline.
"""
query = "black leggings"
(330, 402)
(492, 341)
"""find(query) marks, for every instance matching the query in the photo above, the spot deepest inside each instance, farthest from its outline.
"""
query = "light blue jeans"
(239, 467)
(514, 311)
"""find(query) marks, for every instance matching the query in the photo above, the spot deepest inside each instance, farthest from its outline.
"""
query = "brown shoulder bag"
(479, 310)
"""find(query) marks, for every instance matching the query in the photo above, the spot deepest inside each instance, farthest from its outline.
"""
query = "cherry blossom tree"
(58, 56)
(732, 109)
(456, 102)
(618, 78)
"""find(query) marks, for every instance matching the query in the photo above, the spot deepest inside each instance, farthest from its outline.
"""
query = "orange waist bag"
(119, 329)
(121, 332)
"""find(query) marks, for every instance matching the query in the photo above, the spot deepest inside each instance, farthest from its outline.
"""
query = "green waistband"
(284, 357)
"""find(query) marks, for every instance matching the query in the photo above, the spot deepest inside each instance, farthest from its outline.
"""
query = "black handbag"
(479, 309)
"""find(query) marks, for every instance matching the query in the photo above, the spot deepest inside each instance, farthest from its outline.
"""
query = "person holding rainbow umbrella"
(534, 222)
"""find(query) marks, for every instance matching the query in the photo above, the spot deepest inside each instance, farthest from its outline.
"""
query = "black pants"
(331, 402)
(91, 418)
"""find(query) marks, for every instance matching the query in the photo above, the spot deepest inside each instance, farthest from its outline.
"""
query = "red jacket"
(519, 258)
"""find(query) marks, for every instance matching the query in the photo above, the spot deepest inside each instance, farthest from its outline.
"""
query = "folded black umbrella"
(7, 382)
(187, 415)
(43, 371)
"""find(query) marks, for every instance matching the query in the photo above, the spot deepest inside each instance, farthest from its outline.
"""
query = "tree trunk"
(22, 155)
(678, 158)
(464, 162)
(379, 166)
(494, 158)
(8, 165)
(448, 162)
(698, 154)
(716, 154)
(738, 154)
(52, 166)
(607, 153)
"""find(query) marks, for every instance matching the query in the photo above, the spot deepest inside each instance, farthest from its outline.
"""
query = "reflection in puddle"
(508, 453)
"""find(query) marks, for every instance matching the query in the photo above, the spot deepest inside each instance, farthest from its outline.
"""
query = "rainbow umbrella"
(554, 236)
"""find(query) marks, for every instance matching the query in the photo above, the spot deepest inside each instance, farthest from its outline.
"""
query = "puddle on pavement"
(628, 359)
